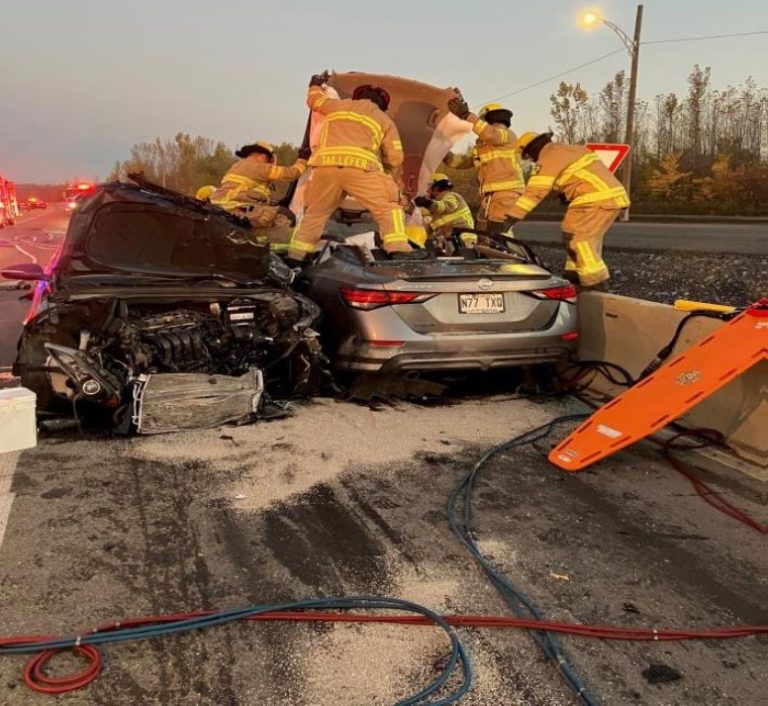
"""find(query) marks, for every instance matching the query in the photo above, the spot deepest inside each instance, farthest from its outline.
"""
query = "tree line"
(185, 163)
(705, 151)
(701, 152)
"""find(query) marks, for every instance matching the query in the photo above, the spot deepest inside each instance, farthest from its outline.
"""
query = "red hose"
(705, 437)
(36, 679)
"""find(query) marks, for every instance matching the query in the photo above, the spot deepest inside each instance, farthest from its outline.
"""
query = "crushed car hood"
(130, 231)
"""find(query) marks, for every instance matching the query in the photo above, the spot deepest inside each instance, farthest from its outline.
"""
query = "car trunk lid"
(484, 296)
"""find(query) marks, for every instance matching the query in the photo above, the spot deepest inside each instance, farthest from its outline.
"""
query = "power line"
(618, 51)
(562, 73)
(702, 38)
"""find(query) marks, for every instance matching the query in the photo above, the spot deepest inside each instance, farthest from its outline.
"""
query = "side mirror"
(28, 271)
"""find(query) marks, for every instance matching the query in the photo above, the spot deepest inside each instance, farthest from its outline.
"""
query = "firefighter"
(594, 195)
(445, 211)
(247, 187)
(358, 140)
(495, 155)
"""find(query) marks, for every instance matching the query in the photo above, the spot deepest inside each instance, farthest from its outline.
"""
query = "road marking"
(8, 463)
(24, 252)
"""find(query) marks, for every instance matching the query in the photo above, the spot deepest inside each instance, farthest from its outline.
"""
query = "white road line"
(8, 463)
(24, 252)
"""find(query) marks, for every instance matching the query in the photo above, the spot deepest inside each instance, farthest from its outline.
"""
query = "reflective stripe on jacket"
(355, 133)
(575, 172)
(249, 181)
(450, 211)
(496, 158)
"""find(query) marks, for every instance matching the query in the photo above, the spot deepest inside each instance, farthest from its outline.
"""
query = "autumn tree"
(668, 181)
(568, 110)
(613, 101)
(183, 163)
(695, 107)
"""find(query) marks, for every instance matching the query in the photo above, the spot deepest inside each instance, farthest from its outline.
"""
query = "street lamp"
(632, 45)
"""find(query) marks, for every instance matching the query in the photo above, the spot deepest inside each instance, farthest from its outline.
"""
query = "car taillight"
(563, 294)
(368, 299)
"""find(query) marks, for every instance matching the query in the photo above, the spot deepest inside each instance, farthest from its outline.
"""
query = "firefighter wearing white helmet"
(247, 188)
(595, 198)
(446, 210)
(495, 155)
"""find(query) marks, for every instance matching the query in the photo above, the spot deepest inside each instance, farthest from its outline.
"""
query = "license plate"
(484, 303)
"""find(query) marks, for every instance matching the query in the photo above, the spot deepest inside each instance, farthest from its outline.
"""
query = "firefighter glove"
(563, 199)
(458, 106)
(423, 202)
(319, 79)
(305, 152)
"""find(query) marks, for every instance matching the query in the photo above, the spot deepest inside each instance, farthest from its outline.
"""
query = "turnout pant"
(583, 231)
(494, 208)
(326, 189)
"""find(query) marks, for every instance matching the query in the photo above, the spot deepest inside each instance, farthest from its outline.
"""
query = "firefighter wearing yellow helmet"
(247, 188)
(595, 198)
(445, 210)
(495, 155)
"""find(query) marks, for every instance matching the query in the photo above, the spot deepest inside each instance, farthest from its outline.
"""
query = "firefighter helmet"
(204, 192)
(531, 143)
(417, 235)
(525, 139)
(441, 181)
(372, 93)
(496, 113)
(257, 147)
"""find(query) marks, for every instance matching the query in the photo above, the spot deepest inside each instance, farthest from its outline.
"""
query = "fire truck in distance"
(74, 192)
(9, 206)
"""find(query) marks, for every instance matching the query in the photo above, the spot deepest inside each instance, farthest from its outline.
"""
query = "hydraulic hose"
(516, 599)
(461, 515)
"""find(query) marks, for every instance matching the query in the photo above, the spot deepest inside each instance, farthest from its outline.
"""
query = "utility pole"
(630, 134)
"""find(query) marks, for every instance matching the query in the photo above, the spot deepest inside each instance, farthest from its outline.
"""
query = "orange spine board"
(668, 393)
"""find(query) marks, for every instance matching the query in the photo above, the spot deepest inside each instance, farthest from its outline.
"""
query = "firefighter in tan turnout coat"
(495, 155)
(247, 188)
(595, 199)
(359, 142)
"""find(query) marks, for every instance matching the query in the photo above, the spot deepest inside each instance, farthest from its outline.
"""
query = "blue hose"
(458, 655)
(520, 604)
(517, 600)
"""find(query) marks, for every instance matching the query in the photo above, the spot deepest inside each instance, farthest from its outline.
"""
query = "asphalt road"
(694, 237)
(33, 239)
(346, 500)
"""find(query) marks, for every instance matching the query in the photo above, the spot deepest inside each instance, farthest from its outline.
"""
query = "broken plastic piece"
(169, 402)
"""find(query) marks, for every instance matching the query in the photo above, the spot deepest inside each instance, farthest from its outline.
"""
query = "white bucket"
(18, 429)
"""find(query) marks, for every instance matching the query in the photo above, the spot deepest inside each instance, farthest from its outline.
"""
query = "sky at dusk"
(83, 80)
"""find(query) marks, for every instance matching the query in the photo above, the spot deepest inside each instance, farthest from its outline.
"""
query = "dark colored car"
(157, 305)
(34, 202)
